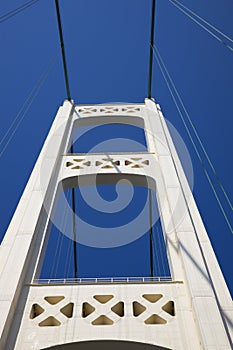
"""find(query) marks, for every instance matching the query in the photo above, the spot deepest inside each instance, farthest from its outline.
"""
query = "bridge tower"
(190, 309)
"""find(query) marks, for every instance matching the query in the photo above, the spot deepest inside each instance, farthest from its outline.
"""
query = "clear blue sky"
(107, 47)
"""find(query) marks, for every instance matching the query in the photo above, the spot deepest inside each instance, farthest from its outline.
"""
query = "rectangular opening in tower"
(112, 137)
(118, 233)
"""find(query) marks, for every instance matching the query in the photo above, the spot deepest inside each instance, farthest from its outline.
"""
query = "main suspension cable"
(175, 3)
(19, 9)
(203, 20)
(195, 132)
(193, 143)
(26, 106)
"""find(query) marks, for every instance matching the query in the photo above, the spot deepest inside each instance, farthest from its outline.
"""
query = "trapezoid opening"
(114, 230)
(108, 137)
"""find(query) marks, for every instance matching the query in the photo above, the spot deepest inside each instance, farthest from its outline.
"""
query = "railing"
(53, 281)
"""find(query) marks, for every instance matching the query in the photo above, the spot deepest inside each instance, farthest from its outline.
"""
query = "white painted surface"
(202, 301)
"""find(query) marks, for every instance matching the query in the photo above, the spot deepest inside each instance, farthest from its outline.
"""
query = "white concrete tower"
(191, 310)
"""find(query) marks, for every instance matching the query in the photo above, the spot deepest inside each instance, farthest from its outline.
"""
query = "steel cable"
(203, 20)
(203, 26)
(19, 9)
(194, 145)
(26, 106)
(195, 132)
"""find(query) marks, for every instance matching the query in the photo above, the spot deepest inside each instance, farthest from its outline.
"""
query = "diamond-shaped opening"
(152, 298)
(87, 309)
(169, 308)
(136, 159)
(155, 319)
(69, 164)
(138, 309)
(146, 162)
(103, 299)
(107, 110)
(107, 159)
(36, 310)
(78, 160)
(54, 299)
(50, 322)
(102, 320)
(68, 310)
(133, 108)
(118, 309)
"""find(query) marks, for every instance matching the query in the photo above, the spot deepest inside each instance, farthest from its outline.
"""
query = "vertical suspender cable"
(63, 50)
(74, 234)
(151, 235)
(74, 229)
(151, 48)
